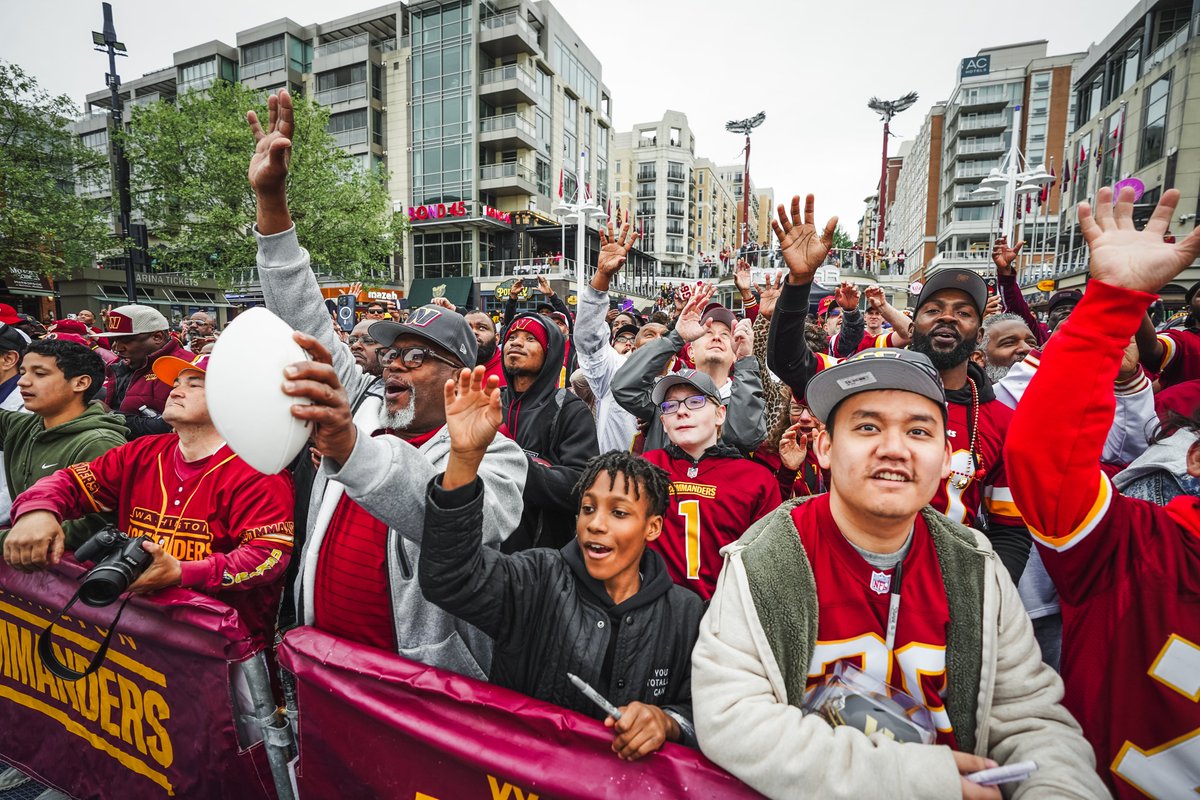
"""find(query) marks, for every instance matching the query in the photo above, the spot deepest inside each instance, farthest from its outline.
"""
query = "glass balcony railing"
(507, 73)
(507, 122)
(342, 94)
(983, 121)
(351, 137)
(504, 20)
(262, 67)
(491, 172)
(340, 45)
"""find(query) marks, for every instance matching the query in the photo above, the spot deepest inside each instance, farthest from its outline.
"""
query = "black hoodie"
(558, 434)
(549, 617)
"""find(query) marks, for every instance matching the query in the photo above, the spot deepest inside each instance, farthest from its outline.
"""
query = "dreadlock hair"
(639, 474)
(74, 360)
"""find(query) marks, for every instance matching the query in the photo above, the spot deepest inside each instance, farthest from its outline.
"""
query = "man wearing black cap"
(1175, 353)
(946, 330)
(870, 576)
(358, 567)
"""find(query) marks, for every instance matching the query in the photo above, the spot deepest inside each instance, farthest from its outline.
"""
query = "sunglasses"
(412, 357)
(375, 311)
(363, 340)
(693, 403)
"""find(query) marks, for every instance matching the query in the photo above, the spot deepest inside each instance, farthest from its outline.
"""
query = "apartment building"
(478, 111)
(1134, 119)
(913, 216)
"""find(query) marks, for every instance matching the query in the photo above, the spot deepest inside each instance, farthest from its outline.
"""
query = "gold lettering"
(160, 743)
(46, 683)
(107, 702)
(502, 792)
(89, 694)
(20, 653)
(131, 714)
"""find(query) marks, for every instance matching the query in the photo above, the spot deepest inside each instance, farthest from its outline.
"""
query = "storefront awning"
(27, 282)
(456, 290)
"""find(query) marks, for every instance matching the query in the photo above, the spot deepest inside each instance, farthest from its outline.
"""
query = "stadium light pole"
(886, 109)
(745, 126)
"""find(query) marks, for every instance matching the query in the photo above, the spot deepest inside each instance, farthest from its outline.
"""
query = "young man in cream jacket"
(814, 583)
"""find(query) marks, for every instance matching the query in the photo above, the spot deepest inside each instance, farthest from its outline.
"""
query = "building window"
(1154, 127)
(1089, 103)
(1082, 168)
(349, 128)
(647, 138)
(197, 76)
(262, 57)
(442, 255)
(676, 137)
(543, 176)
(1110, 142)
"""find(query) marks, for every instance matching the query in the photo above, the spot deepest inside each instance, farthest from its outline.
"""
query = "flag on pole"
(1066, 174)
(560, 184)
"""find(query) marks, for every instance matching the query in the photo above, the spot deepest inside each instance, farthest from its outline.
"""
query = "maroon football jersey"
(1181, 357)
(711, 506)
(961, 496)
(854, 599)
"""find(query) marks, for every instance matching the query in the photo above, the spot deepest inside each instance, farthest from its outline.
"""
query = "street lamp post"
(106, 42)
(886, 109)
(745, 126)
(583, 209)
(1012, 182)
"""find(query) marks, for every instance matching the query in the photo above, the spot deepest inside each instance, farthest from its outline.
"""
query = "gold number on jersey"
(690, 511)
(1171, 769)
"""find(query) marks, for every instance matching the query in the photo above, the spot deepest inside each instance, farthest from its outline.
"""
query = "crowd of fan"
(706, 516)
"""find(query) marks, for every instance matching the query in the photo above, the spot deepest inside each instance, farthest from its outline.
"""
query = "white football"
(244, 387)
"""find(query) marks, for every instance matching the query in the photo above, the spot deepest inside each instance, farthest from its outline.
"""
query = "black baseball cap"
(719, 313)
(966, 280)
(13, 339)
(686, 377)
(1191, 292)
(434, 324)
(879, 368)
(1072, 296)
(625, 329)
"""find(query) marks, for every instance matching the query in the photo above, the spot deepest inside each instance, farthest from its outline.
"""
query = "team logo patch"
(881, 582)
(423, 316)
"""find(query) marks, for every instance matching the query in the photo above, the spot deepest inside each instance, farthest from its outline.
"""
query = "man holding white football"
(358, 567)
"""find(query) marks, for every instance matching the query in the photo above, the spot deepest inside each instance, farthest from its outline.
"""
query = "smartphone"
(991, 287)
(346, 306)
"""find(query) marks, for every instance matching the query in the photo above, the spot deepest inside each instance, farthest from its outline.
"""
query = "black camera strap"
(61, 670)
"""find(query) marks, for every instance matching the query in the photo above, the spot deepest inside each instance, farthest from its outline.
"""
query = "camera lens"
(104, 584)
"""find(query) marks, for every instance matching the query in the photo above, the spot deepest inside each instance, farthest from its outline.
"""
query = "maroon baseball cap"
(719, 313)
(8, 314)
(72, 326)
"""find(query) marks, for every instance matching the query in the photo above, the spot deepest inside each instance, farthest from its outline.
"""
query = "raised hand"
(741, 276)
(743, 339)
(355, 289)
(793, 447)
(802, 248)
(328, 409)
(846, 296)
(614, 248)
(472, 411)
(1004, 256)
(544, 285)
(273, 148)
(688, 325)
(876, 300)
(444, 303)
(768, 293)
(1123, 256)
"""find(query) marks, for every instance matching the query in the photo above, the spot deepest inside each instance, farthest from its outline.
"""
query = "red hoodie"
(1127, 571)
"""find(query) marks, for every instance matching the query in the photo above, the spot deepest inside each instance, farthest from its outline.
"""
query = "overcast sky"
(811, 66)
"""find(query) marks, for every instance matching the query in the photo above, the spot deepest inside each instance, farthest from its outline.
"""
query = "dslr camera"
(119, 561)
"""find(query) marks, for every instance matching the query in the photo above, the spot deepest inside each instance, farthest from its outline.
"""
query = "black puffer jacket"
(549, 617)
(558, 434)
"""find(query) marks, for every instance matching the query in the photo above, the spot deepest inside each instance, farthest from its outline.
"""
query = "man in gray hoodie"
(357, 576)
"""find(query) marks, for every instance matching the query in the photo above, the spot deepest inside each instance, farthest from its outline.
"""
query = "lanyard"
(894, 607)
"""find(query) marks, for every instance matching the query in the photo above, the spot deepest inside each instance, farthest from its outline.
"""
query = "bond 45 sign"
(437, 211)
(155, 720)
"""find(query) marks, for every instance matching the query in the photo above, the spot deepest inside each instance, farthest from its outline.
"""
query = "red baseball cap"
(72, 326)
(823, 305)
(8, 314)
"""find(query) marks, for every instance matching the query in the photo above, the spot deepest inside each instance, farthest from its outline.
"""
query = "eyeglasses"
(627, 339)
(363, 340)
(693, 403)
(412, 357)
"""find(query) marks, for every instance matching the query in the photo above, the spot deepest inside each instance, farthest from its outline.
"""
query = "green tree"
(189, 162)
(44, 225)
(840, 240)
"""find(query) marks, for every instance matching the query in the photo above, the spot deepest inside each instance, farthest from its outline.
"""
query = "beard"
(401, 419)
(485, 352)
(942, 359)
(995, 374)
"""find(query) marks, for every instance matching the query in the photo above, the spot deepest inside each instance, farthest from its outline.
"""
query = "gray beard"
(995, 374)
(399, 420)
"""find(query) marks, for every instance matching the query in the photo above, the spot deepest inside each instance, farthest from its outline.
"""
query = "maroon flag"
(1066, 174)
(560, 184)
(374, 724)
(157, 719)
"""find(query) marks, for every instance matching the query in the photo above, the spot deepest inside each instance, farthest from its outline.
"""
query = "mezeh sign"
(975, 65)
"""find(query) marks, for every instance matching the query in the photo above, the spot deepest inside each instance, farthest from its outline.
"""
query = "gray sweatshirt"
(388, 477)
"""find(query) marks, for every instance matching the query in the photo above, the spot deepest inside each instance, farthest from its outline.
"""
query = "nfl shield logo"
(881, 582)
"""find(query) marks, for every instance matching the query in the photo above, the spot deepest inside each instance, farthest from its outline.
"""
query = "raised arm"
(1004, 257)
(847, 340)
(901, 325)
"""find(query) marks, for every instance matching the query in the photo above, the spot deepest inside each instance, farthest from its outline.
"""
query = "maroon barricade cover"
(155, 720)
(375, 725)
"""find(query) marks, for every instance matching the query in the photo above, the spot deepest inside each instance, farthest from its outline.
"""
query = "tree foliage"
(189, 162)
(44, 225)
(840, 240)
